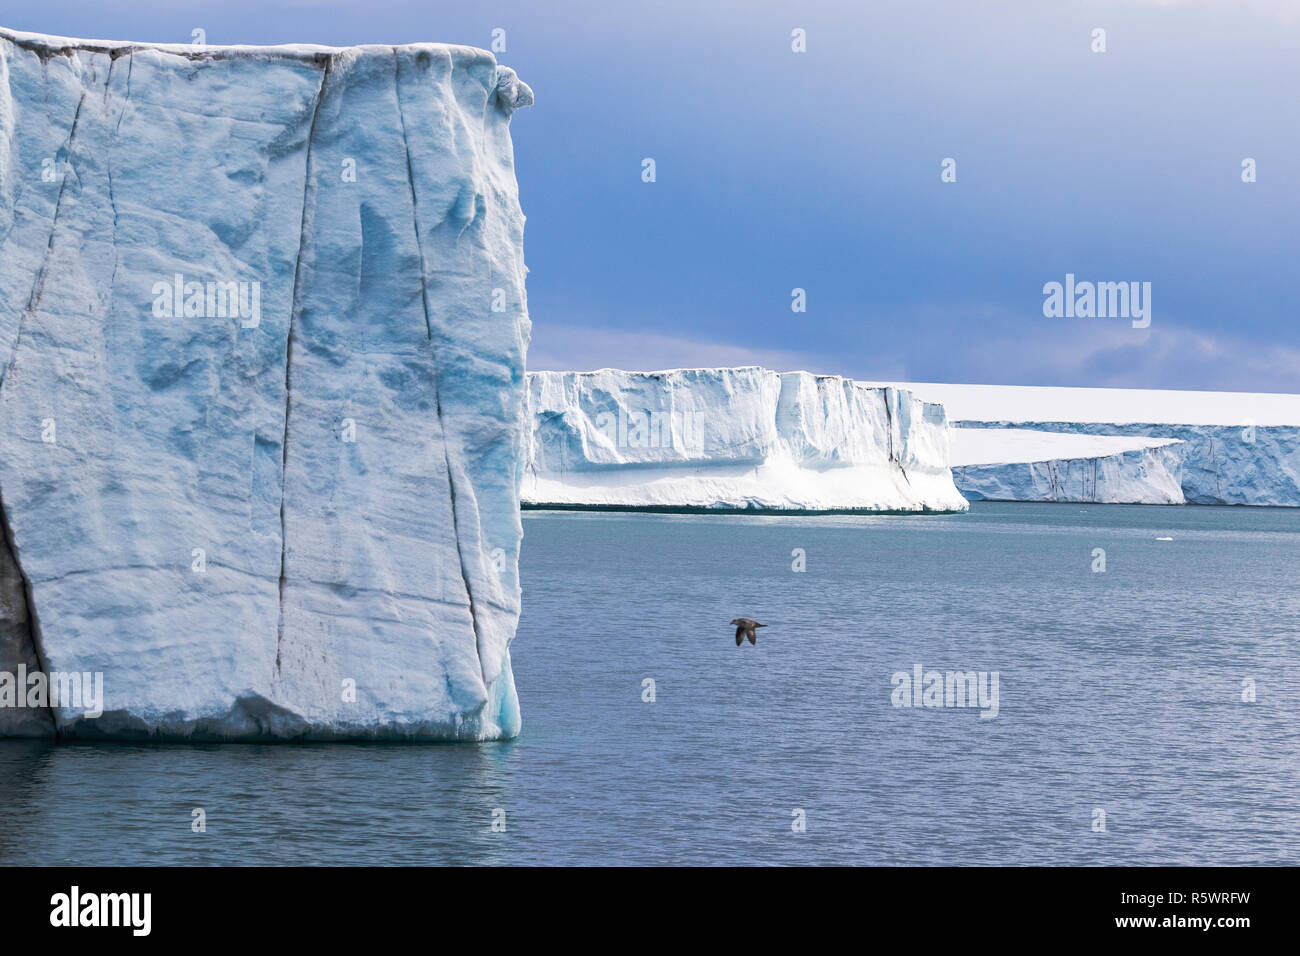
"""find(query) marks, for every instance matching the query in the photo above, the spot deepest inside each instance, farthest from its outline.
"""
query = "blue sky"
(821, 170)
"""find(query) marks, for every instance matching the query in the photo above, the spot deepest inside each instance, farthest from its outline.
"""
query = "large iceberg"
(733, 439)
(1021, 464)
(1238, 448)
(262, 334)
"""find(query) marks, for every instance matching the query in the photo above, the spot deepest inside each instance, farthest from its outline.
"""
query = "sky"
(821, 170)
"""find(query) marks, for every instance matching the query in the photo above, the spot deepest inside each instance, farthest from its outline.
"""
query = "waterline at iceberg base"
(289, 508)
(733, 440)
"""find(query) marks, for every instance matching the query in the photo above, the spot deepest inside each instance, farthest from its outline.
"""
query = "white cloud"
(1111, 354)
(581, 348)
(1098, 352)
(1285, 11)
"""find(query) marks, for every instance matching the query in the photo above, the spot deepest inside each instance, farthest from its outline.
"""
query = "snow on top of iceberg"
(512, 92)
(1032, 403)
(59, 44)
(715, 370)
(1006, 446)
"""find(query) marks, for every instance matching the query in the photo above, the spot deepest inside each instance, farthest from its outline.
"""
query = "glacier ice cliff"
(734, 439)
(1220, 464)
(262, 335)
(1238, 448)
(1013, 464)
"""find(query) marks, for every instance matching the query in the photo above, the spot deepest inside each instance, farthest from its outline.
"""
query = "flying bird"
(745, 629)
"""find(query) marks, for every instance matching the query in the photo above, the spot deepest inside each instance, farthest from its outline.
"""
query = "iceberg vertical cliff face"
(262, 333)
(1010, 464)
(733, 439)
(1219, 464)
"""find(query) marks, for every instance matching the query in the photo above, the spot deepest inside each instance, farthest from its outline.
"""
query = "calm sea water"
(1120, 691)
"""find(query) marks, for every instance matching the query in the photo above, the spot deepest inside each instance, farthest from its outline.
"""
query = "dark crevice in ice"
(38, 284)
(32, 647)
(889, 426)
(108, 166)
(294, 307)
(15, 585)
(889, 395)
(437, 398)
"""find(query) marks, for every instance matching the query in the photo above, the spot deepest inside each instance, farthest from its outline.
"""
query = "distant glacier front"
(749, 439)
(733, 439)
(1024, 464)
(1224, 448)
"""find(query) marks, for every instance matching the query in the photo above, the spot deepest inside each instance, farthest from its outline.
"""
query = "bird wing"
(753, 637)
(740, 634)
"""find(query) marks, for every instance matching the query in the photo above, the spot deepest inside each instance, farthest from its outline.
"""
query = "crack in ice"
(288, 353)
(437, 396)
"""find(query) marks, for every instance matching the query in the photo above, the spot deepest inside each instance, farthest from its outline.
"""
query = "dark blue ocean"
(1118, 691)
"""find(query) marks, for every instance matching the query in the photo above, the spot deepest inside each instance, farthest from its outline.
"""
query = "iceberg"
(1238, 448)
(262, 335)
(733, 439)
(1017, 464)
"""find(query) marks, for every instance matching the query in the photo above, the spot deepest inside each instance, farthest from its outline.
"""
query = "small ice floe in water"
(1164, 539)
(745, 629)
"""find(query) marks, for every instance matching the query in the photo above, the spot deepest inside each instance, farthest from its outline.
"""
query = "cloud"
(1099, 353)
(1112, 355)
(582, 348)
(1284, 11)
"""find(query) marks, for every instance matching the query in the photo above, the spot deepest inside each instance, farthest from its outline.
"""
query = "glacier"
(1238, 448)
(262, 394)
(1016, 464)
(733, 439)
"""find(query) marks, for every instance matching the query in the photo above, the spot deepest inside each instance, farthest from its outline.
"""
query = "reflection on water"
(276, 804)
